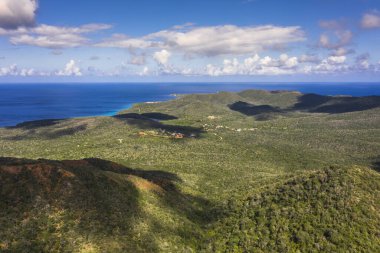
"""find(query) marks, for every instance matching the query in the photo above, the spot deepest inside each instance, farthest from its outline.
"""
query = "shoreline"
(110, 114)
(173, 97)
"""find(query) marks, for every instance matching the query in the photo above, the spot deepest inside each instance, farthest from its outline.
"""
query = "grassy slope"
(280, 137)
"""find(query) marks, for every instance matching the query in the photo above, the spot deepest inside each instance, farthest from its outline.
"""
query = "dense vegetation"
(333, 210)
(229, 172)
(86, 205)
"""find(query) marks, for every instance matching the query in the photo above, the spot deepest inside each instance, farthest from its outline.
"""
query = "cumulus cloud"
(17, 13)
(331, 64)
(213, 40)
(286, 65)
(336, 59)
(371, 20)
(164, 68)
(255, 65)
(162, 57)
(144, 72)
(14, 70)
(71, 69)
(10, 70)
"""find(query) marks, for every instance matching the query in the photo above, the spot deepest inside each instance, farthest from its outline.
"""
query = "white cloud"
(255, 65)
(288, 62)
(27, 72)
(162, 57)
(371, 20)
(53, 36)
(249, 66)
(213, 40)
(71, 69)
(54, 41)
(230, 39)
(17, 13)
(285, 65)
(10, 70)
(144, 72)
(55, 30)
(14, 70)
(332, 64)
(336, 59)
(342, 51)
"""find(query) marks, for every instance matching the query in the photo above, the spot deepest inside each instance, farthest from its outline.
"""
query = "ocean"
(26, 102)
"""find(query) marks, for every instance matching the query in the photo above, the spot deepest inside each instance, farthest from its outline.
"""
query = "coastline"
(171, 96)
(109, 114)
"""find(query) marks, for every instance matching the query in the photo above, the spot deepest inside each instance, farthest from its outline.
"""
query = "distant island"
(251, 171)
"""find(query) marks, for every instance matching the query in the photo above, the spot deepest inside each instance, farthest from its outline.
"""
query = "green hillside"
(228, 172)
(91, 205)
(333, 210)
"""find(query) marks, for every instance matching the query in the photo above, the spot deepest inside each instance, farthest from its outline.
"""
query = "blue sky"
(175, 40)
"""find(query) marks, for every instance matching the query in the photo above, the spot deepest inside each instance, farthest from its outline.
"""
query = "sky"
(189, 41)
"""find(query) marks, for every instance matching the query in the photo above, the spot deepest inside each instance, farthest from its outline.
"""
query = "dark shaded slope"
(260, 112)
(268, 105)
(153, 121)
(328, 104)
(88, 205)
(335, 210)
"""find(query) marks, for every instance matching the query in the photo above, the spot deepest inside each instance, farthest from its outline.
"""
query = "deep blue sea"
(25, 102)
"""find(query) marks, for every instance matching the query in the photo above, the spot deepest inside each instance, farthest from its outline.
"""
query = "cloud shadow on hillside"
(334, 105)
(311, 103)
(104, 204)
(29, 125)
(38, 131)
(260, 112)
(147, 121)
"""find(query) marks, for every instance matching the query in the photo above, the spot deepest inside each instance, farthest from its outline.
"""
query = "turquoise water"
(25, 102)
